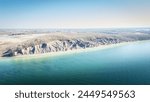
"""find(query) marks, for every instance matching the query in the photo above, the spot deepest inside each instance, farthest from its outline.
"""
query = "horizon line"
(82, 27)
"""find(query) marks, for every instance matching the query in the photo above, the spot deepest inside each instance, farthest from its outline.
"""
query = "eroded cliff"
(55, 43)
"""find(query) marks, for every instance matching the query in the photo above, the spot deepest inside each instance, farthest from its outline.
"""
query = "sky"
(74, 13)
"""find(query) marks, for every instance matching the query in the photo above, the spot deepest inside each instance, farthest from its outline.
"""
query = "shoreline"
(59, 53)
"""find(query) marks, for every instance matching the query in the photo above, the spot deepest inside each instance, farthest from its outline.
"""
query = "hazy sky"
(74, 13)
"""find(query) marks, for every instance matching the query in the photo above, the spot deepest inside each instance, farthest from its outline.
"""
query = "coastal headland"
(29, 42)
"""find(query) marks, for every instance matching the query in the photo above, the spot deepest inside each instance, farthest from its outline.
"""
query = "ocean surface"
(128, 64)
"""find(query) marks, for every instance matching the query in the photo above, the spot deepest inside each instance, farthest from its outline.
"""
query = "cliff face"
(57, 45)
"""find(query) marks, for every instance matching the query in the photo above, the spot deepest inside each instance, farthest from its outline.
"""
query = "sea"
(128, 64)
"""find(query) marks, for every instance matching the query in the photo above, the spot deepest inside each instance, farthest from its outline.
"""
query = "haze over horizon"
(74, 13)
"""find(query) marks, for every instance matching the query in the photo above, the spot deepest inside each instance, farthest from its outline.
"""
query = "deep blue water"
(128, 64)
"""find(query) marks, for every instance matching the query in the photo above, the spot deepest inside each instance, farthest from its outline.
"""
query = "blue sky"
(74, 13)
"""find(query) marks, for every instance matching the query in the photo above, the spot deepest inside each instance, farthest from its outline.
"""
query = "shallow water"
(127, 64)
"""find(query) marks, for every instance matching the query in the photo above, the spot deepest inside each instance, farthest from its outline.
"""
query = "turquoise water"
(128, 64)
